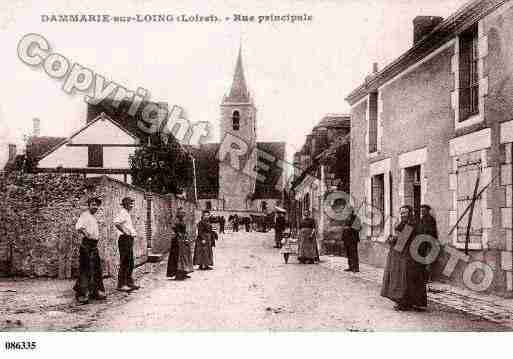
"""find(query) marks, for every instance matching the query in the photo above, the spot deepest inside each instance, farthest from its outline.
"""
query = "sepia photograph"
(330, 167)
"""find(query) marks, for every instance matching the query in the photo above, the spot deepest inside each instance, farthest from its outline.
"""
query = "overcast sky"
(296, 72)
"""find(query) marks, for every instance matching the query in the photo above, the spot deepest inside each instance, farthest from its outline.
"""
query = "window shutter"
(95, 156)
(373, 122)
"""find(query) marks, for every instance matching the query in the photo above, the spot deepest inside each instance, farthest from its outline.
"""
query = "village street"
(250, 289)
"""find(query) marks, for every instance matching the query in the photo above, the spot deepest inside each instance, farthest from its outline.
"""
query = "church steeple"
(239, 91)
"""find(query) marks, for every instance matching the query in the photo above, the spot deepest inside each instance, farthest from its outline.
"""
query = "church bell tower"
(238, 118)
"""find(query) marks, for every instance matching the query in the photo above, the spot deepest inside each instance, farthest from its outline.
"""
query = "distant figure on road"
(203, 253)
(222, 223)
(180, 261)
(247, 224)
(404, 277)
(279, 228)
(127, 234)
(235, 223)
(89, 284)
(307, 250)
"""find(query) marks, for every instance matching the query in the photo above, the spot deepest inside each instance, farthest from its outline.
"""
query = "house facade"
(101, 147)
(435, 127)
(321, 166)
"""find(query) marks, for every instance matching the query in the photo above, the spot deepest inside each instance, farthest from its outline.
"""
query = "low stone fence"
(37, 222)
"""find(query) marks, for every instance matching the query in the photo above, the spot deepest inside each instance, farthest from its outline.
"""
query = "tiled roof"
(207, 169)
(121, 116)
(39, 145)
(267, 188)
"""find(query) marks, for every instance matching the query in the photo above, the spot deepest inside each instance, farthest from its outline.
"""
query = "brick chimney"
(423, 25)
(12, 152)
(36, 131)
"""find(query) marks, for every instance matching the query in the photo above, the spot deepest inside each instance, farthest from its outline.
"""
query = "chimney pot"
(36, 127)
(374, 67)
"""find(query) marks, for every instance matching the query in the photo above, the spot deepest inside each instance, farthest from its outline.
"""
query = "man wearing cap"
(89, 284)
(126, 233)
(427, 227)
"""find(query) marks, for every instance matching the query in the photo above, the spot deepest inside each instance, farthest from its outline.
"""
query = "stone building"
(256, 183)
(435, 126)
(321, 166)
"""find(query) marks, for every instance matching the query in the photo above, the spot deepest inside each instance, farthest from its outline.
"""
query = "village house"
(435, 126)
(321, 166)
(102, 146)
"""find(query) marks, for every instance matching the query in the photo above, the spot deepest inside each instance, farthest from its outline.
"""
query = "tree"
(162, 166)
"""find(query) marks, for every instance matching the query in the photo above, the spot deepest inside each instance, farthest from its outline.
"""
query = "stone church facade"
(257, 183)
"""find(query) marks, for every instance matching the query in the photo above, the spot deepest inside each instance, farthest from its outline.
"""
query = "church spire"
(239, 91)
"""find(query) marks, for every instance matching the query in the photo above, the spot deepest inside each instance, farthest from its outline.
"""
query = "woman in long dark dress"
(179, 263)
(404, 278)
(307, 248)
(203, 253)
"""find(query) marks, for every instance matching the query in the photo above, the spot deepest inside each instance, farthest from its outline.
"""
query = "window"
(373, 122)
(95, 156)
(264, 206)
(236, 120)
(208, 206)
(469, 172)
(469, 76)
(378, 204)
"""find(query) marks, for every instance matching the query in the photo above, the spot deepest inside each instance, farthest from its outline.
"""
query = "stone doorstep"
(487, 306)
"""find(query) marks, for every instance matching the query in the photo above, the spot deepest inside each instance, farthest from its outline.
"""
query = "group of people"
(89, 284)
(181, 259)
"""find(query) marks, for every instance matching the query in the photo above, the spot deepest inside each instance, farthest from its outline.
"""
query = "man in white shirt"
(89, 284)
(126, 233)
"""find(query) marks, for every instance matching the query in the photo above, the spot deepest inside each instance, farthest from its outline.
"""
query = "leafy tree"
(162, 166)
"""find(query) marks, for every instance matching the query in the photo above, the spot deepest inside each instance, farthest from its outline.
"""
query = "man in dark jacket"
(426, 226)
(351, 237)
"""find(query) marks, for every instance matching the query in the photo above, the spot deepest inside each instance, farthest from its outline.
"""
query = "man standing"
(426, 226)
(279, 228)
(351, 237)
(127, 233)
(89, 284)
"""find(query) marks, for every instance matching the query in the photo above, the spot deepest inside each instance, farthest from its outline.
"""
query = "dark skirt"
(307, 245)
(172, 263)
(404, 280)
(184, 260)
(203, 254)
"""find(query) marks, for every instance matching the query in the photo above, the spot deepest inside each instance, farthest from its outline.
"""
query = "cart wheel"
(286, 257)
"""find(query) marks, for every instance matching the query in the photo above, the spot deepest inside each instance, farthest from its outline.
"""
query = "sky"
(296, 72)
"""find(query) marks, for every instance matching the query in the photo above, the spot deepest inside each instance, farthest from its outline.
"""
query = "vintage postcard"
(295, 166)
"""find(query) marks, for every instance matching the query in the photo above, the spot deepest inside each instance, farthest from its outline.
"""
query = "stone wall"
(37, 222)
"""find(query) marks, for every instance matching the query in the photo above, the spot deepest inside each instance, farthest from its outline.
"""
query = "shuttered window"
(468, 172)
(468, 75)
(373, 122)
(95, 156)
(378, 204)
